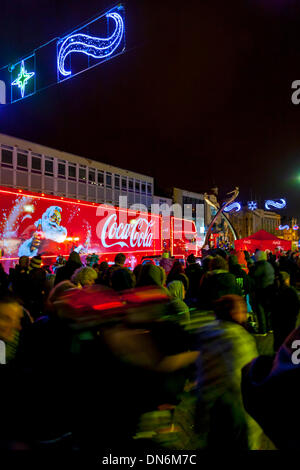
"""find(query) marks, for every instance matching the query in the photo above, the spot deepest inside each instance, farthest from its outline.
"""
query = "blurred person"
(194, 272)
(177, 274)
(11, 314)
(285, 310)
(59, 262)
(66, 271)
(217, 283)
(122, 279)
(270, 389)
(225, 347)
(264, 276)
(137, 272)
(177, 291)
(102, 269)
(36, 287)
(286, 264)
(4, 280)
(240, 274)
(120, 260)
(151, 275)
(84, 276)
(166, 262)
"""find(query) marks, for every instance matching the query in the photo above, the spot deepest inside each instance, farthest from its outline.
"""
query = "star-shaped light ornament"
(252, 205)
(22, 79)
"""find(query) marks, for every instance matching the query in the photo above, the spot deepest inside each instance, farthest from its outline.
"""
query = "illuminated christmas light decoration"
(235, 206)
(252, 205)
(95, 47)
(22, 79)
(284, 227)
(296, 227)
(281, 204)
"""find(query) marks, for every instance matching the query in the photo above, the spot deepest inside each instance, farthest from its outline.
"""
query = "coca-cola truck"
(38, 224)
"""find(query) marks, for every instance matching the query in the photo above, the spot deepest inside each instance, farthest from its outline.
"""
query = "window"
(124, 184)
(82, 173)
(143, 187)
(7, 157)
(36, 164)
(49, 167)
(117, 181)
(130, 185)
(137, 187)
(72, 172)
(92, 176)
(21, 161)
(100, 178)
(61, 170)
(108, 180)
(149, 188)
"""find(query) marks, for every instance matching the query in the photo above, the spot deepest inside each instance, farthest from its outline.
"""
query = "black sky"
(201, 96)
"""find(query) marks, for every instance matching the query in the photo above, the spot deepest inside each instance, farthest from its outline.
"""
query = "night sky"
(201, 96)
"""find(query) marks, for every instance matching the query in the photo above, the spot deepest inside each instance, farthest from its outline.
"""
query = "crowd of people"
(164, 356)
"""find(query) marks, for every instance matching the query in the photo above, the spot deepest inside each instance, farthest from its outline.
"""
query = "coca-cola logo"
(135, 235)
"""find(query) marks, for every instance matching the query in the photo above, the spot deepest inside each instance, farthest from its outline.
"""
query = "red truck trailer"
(38, 224)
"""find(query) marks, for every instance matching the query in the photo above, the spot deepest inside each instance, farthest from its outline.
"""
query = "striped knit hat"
(35, 262)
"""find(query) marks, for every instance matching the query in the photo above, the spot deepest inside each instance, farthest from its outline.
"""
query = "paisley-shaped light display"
(234, 206)
(92, 46)
(278, 204)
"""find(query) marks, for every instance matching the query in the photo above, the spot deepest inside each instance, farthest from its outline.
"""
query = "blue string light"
(277, 205)
(284, 227)
(233, 206)
(92, 46)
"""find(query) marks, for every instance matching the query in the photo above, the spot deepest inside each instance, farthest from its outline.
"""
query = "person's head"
(137, 272)
(103, 266)
(121, 279)
(231, 308)
(59, 290)
(191, 259)
(24, 262)
(11, 313)
(166, 255)
(177, 290)
(84, 276)
(120, 259)
(177, 268)
(260, 255)
(206, 262)
(150, 275)
(284, 278)
(74, 257)
(218, 263)
(35, 263)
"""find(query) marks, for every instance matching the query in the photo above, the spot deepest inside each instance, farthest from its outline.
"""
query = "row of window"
(72, 171)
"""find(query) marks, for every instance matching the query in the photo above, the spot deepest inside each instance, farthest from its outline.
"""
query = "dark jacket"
(194, 273)
(66, 272)
(242, 278)
(215, 285)
(263, 274)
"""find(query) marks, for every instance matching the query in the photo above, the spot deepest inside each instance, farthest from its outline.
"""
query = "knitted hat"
(36, 262)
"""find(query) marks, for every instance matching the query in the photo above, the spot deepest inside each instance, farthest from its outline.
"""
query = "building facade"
(248, 222)
(34, 167)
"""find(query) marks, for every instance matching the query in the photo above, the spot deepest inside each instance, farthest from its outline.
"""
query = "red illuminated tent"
(263, 241)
